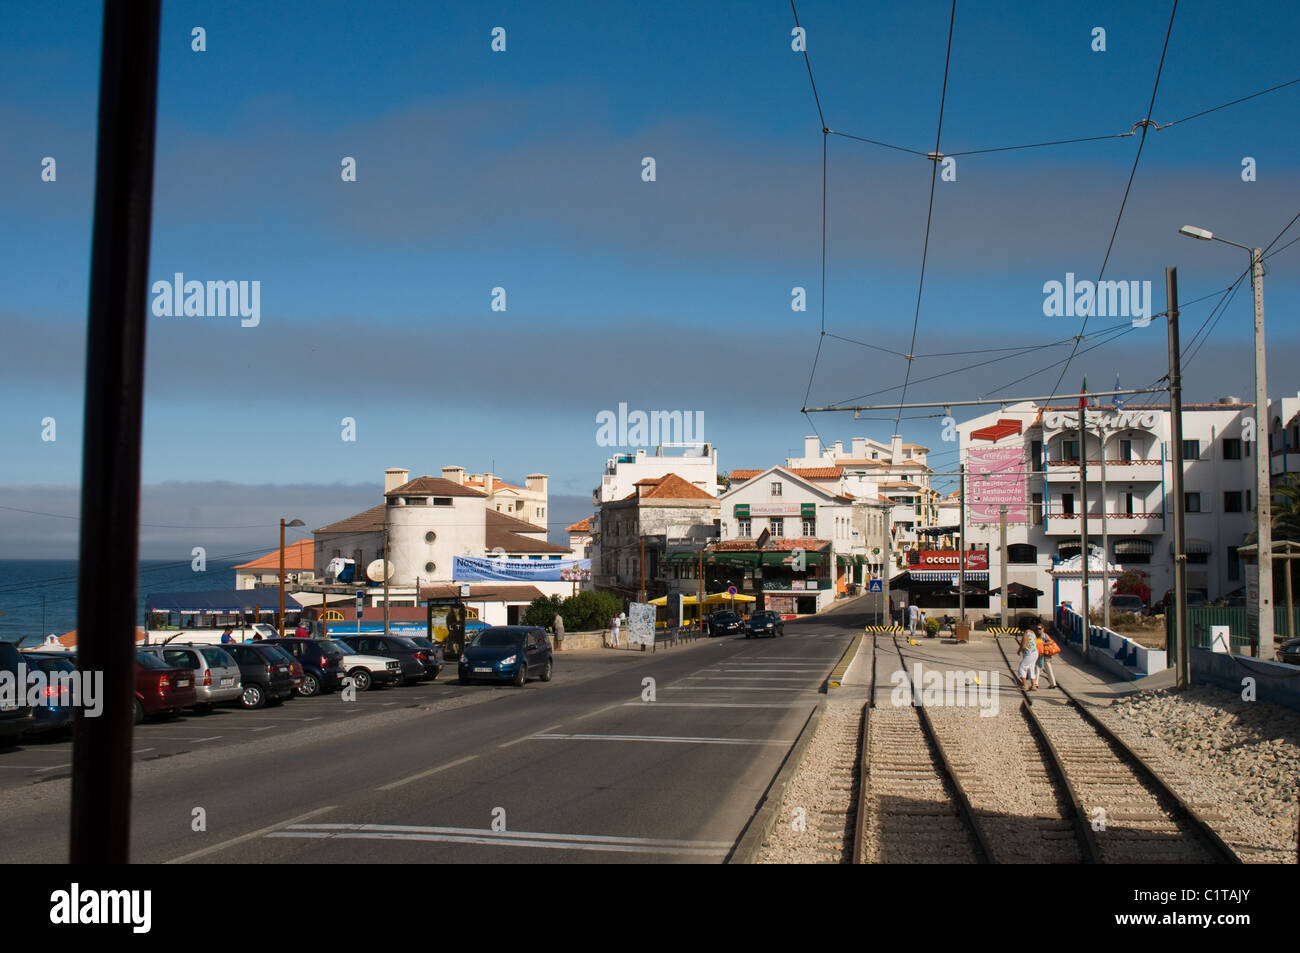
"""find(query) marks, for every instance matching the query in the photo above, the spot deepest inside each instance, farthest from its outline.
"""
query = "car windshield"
(726, 617)
(278, 654)
(340, 647)
(496, 639)
(406, 645)
(150, 661)
(420, 641)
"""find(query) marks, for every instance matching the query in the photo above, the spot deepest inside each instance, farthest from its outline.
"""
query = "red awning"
(1003, 428)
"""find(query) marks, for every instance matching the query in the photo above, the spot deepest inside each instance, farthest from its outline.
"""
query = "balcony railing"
(1110, 462)
(1136, 515)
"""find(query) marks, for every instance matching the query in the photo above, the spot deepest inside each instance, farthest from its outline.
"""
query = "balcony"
(1117, 523)
(1149, 470)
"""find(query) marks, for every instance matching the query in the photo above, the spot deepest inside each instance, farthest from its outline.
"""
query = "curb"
(764, 819)
(842, 666)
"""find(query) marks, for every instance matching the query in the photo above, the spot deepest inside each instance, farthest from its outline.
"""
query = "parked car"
(368, 670)
(321, 661)
(1127, 602)
(433, 663)
(161, 688)
(265, 671)
(723, 622)
(511, 653)
(410, 655)
(216, 674)
(54, 718)
(16, 715)
(1289, 652)
(765, 622)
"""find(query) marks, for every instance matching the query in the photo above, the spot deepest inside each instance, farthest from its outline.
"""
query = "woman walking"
(1028, 660)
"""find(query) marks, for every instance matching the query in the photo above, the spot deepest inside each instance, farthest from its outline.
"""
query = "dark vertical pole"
(961, 561)
(1182, 661)
(110, 474)
(1083, 526)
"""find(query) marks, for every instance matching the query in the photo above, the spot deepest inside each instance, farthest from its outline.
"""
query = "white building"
(821, 542)
(697, 464)
(1027, 457)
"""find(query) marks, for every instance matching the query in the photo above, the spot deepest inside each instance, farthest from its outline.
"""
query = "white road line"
(264, 728)
(525, 737)
(182, 738)
(54, 767)
(735, 688)
(500, 835)
(143, 750)
(260, 832)
(511, 842)
(671, 739)
(751, 678)
(715, 704)
(425, 774)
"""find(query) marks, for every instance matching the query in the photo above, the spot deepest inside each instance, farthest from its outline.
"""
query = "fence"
(1200, 619)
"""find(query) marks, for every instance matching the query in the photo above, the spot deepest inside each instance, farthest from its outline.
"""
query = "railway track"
(911, 808)
(1124, 810)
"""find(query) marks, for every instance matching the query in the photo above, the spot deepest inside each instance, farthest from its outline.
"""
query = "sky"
(523, 170)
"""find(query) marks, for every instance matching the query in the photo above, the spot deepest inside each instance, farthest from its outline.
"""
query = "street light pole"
(1263, 454)
(283, 524)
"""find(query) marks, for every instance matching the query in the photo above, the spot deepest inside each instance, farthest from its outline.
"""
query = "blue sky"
(522, 170)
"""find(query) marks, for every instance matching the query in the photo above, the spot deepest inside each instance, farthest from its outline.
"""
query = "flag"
(1083, 393)
(1119, 398)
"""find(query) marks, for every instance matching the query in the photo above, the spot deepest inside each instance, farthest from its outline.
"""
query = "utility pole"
(643, 567)
(281, 619)
(1083, 521)
(1176, 437)
(699, 608)
(1263, 465)
(384, 570)
(1105, 536)
(961, 560)
(1002, 557)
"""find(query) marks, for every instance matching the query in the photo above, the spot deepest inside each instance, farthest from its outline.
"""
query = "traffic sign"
(361, 603)
(731, 590)
(875, 586)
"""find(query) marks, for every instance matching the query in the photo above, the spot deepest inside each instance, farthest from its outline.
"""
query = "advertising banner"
(640, 624)
(474, 568)
(977, 560)
(995, 477)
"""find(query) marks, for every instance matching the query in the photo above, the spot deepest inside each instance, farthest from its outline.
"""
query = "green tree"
(1286, 510)
(585, 611)
(541, 611)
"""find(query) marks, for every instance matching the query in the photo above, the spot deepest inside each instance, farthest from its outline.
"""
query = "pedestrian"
(913, 613)
(613, 631)
(1047, 647)
(1028, 660)
(227, 637)
(924, 627)
(557, 625)
(301, 632)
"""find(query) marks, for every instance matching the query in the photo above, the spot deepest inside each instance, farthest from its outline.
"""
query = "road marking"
(526, 737)
(264, 728)
(752, 678)
(425, 774)
(54, 767)
(143, 750)
(671, 739)
(715, 704)
(598, 711)
(249, 836)
(469, 835)
(735, 688)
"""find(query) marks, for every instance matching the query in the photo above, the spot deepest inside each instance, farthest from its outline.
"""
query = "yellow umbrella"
(686, 600)
(718, 597)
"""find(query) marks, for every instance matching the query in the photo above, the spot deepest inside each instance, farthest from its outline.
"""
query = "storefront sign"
(1126, 420)
(996, 477)
(977, 560)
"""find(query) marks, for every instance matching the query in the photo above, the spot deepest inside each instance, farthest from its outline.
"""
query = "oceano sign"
(1134, 419)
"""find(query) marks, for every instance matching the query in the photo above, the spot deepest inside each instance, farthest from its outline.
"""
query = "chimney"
(488, 483)
(536, 483)
(839, 450)
(896, 448)
(455, 474)
(812, 448)
(395, 477)
(860, 451)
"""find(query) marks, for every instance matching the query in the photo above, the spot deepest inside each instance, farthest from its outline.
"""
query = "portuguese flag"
(1083, 393)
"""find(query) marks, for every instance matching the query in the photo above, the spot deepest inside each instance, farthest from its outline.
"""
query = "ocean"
(32, 590)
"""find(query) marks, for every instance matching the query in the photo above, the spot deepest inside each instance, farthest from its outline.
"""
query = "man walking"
(613, 631)
(557, 626)
(913, 614)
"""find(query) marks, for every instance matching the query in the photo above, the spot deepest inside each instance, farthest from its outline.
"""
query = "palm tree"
(1286, 511)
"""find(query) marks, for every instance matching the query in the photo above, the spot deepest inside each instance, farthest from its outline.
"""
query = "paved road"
(582, 769)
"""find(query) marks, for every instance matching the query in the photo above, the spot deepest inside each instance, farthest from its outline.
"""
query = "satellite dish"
(375, 571)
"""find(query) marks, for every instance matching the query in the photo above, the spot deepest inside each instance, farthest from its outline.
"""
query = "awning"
(950, 577)
(1189, 546)
(1134, 547)
(1017, 589)
(220, 601)
(681, 557)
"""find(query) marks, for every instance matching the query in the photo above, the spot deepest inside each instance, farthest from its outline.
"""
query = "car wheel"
(521, 675)
(310, 685)
(546, 672)
(253, 697)
(361, 679)
(139, 712)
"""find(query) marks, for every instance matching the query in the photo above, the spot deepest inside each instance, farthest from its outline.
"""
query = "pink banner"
(995, 477)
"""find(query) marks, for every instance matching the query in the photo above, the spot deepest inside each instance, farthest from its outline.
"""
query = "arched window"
(1022, 553)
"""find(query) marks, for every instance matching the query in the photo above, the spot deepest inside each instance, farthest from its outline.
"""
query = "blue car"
(51, 718)
(506, 653)
(765, 623)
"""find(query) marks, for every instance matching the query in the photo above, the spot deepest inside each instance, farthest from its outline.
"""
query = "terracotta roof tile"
(433, 486)
(669, 487)
(582, 526)
(367, 521)
(297, 557)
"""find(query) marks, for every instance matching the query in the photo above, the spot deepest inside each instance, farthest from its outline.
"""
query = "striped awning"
(950, 577)
(1133, 547)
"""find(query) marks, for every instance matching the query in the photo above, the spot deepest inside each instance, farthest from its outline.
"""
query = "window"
(1022, 553)
(442, 501)
(810, 527)
(1234, 564)
(1069, 450)
(776, 489)
(1191, 502)
(1232, 501)
(1035, 453)
(1249, 505)
(1067, 504)
(417, 501)
(743, 527)
(1231, 448)
(1037, 504)
(1133, 551)
(1126, 450)
(777, 525)
(1191, 449)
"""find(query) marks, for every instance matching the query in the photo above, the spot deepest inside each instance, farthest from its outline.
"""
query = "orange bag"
(1047, 647)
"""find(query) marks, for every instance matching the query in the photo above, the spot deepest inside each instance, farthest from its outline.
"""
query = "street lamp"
(1263, 463)
(283, 524)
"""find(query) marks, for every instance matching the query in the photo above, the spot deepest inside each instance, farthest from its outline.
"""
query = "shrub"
(541, 611)
(932, 626)
(586, 611)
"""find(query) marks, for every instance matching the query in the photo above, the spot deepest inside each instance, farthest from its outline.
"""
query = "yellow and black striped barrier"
(1003, 630)
(883, 628)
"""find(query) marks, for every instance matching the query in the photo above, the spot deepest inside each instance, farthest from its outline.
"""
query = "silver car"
(216, 674)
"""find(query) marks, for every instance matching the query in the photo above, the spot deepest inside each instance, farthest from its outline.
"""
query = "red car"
(161, 689)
